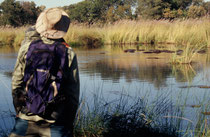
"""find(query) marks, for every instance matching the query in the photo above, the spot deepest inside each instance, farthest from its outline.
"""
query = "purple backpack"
(43, 75)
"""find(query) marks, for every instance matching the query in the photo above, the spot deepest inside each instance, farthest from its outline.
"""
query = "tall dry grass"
(146, 31)
(180, 32)
(11, 37)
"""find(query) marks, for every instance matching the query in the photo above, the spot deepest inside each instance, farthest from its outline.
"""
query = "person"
(54, 116)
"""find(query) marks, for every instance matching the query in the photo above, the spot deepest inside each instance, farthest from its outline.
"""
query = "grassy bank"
(178, 32)
(146, 31)
(11, 37)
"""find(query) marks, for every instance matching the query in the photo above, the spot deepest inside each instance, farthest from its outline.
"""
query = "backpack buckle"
(53, 78)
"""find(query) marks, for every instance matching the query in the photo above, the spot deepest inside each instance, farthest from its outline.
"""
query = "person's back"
(45, 82)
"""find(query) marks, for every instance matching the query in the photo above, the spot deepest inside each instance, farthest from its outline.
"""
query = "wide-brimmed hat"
(53, 23)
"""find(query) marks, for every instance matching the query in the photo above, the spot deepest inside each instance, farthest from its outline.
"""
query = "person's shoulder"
(30, 36)
(70, 52)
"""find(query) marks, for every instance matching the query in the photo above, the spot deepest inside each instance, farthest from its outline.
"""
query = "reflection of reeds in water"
(183, 73)
(187, 55)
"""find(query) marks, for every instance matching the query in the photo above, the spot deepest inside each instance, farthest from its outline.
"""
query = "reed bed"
(179, 32)
(135, 117)
(11, 37)
(123, 117)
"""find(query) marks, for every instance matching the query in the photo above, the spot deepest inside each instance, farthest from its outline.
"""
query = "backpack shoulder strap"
(66, 45)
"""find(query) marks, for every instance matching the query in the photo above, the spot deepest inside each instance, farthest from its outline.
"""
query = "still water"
(113, 73)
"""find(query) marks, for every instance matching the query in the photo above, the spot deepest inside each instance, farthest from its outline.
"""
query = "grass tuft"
(186, 55)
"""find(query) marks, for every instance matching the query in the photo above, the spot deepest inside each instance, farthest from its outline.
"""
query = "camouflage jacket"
(71, 86)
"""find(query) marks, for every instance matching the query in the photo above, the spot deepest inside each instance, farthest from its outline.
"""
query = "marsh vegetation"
(178, 32)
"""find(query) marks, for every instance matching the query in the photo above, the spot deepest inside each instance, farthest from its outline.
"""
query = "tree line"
(19, 13)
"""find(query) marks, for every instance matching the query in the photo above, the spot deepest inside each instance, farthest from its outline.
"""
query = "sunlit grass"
(179, 32)
(11, 37)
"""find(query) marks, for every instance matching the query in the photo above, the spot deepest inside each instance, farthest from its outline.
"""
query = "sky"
(55, 3)
(51, 3)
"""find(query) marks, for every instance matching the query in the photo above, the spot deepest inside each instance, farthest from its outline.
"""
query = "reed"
(180, 32)
(81, 35)
(126, 116)
(187, 54)
(11, 37)
(123, 117)
(183, 73)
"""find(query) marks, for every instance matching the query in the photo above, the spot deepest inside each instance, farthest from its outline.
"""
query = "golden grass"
(11, 36)
(181, 32)
(147, 31)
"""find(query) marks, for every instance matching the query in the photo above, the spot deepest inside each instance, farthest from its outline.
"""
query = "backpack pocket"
(40, 91)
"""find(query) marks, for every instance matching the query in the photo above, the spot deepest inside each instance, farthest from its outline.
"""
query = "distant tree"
(180, 4)
(152, 8)
(196, 11)
(30, 12)
(123, 12)
(119, 13)
(110, 15)
(206, 5)
(197, 2)
(170, 9)
(101, 10)
(16, 13)
(80, 11)
(172, 14)
(180, 13)
(169, 14)
(11, 13)
(122, 9)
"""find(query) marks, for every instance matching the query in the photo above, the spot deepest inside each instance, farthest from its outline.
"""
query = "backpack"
(43, 76)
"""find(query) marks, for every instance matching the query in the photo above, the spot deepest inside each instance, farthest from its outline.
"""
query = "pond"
(113, 73)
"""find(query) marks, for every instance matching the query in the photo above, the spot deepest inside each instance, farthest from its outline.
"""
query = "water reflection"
(111, 70)
(184, 72)
(137, 67)
(124, 74)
